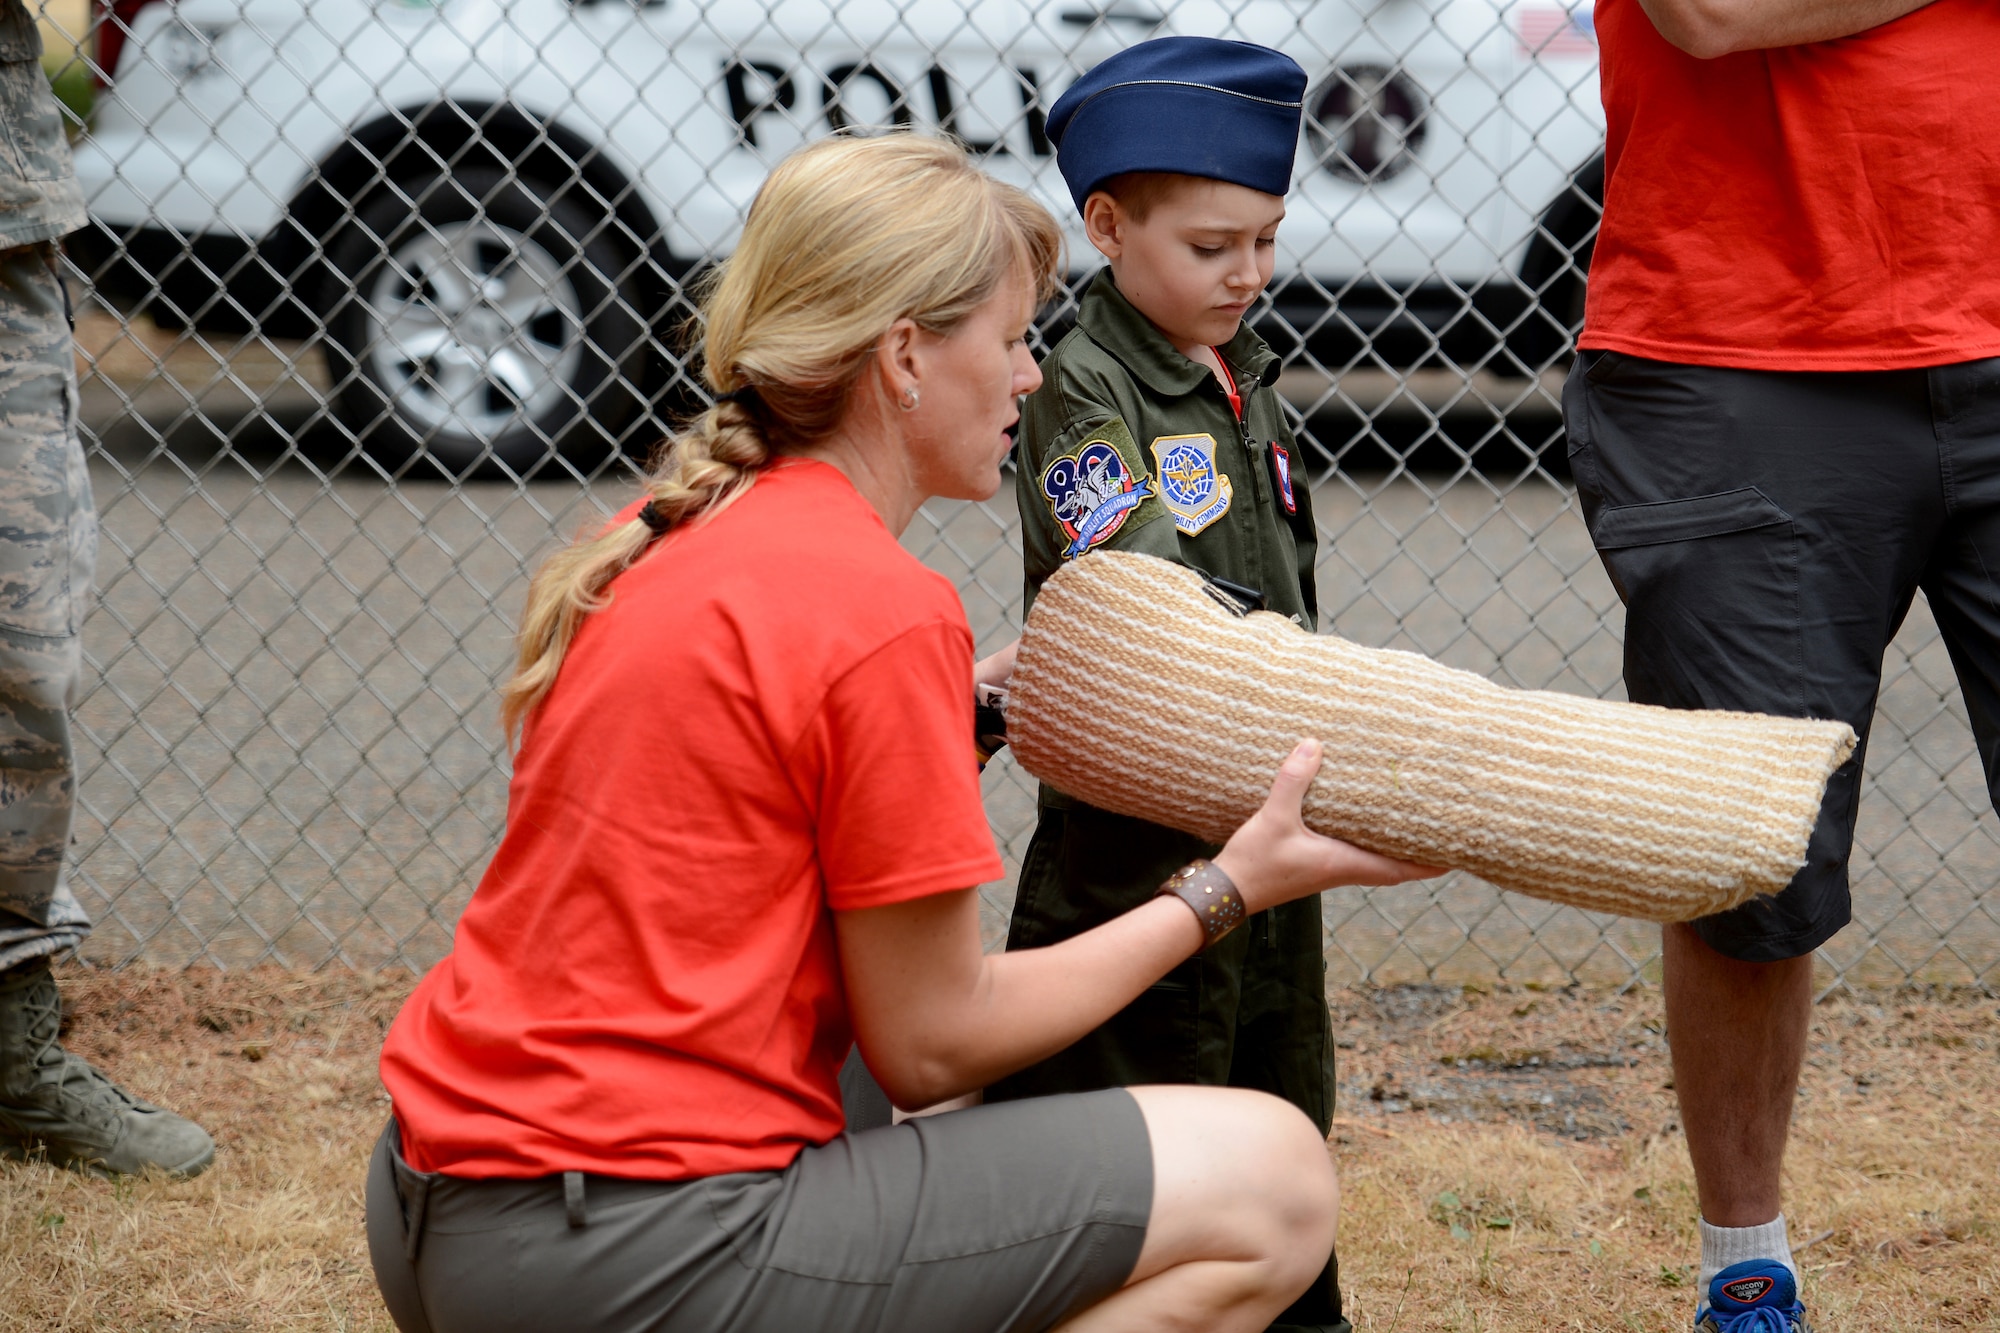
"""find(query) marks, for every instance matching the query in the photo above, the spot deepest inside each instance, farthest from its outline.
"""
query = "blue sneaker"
(1756, 1296)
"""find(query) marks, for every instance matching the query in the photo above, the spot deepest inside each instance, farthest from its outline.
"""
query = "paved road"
(292, 749)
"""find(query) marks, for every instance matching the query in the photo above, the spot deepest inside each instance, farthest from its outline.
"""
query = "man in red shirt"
(1784, 420)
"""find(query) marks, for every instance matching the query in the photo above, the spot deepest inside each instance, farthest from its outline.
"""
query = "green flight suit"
(1191, 483)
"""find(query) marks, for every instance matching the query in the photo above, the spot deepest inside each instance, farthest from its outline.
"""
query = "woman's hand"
(936, 1017)
(1275, 858)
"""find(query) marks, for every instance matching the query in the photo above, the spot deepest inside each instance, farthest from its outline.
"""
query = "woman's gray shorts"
(1008, 1217)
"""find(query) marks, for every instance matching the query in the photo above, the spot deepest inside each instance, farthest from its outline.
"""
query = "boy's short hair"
(1140, 192)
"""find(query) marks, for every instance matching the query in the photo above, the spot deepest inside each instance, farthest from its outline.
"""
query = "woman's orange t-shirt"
(1832, 206)
(770, 722)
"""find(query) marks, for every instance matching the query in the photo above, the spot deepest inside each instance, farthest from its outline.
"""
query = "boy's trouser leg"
(1284, 1046)
(1249, 1012)
(48, 547)
(1085, 867)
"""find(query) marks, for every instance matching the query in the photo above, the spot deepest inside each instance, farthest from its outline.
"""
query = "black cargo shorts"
(1767, 532)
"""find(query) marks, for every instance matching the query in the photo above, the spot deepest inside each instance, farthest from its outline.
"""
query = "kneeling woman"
(743, 830)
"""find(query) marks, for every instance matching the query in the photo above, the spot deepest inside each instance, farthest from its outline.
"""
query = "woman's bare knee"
(1239, 1176)
(1299, 1192)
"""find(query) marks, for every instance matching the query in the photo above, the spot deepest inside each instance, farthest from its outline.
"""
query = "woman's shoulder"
(832, 538)
(804, 546)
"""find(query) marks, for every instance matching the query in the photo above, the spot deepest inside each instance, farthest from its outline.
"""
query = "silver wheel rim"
(475, 331)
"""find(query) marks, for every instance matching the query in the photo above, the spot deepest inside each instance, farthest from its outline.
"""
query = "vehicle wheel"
(478, 320)
(1556, 274)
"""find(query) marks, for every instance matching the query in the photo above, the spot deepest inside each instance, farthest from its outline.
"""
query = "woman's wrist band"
(1210, 894)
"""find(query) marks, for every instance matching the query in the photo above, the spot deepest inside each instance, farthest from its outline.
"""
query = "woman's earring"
(909, 400)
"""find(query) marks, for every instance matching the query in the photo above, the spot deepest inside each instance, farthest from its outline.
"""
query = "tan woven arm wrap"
(1138, 691)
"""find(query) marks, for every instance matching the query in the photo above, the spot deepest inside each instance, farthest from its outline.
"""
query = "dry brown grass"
(1511, 1161)
(281, 1069)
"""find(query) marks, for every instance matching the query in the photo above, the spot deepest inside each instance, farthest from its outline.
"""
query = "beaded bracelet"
(1210, 895)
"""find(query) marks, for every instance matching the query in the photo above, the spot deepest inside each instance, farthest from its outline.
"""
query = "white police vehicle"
(487, 207)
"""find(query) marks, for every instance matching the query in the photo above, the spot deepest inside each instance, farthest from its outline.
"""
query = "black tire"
(1555, 276)
(485, 323)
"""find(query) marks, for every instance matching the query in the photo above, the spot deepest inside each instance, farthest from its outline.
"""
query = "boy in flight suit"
(1157, 429)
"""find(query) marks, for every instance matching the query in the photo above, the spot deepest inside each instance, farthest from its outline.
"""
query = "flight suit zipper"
(1254, 551)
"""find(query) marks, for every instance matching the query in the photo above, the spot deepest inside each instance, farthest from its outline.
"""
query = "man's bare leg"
(1738, 1033)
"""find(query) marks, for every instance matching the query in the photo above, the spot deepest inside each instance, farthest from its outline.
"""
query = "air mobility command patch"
(1195, 491)
(1094, 490)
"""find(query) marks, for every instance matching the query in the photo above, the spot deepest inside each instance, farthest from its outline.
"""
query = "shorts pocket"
(1698, 516)
(1711, 591)
(1602, 366)
(1576, 427)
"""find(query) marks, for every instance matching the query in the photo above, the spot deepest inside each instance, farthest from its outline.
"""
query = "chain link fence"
(382, 298)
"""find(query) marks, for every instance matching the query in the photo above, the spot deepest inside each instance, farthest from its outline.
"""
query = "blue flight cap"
(1196, 106)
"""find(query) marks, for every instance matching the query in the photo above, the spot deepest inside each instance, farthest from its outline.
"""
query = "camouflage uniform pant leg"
(48, 549)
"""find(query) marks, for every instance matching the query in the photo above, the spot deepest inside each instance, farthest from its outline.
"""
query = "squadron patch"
(1281, 468)
(1194, 489)
(1092, 492)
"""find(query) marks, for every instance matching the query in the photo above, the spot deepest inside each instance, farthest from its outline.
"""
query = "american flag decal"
(1551, 30)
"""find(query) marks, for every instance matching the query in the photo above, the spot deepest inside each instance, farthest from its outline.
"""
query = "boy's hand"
(996, 670)
(989, 693)
(1274, 858)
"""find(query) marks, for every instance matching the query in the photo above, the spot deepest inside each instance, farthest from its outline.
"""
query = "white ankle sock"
(1723, 1246)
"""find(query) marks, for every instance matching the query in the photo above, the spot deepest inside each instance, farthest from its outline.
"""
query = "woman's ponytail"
(704, 468)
